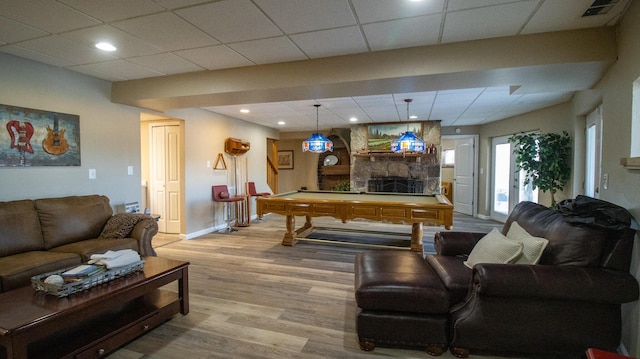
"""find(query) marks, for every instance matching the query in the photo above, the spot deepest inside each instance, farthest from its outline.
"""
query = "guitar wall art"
(31, 137)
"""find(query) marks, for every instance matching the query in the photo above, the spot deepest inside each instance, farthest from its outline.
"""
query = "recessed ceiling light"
(281, 123)
(413, 117)
(105, 46)
(244, 110)
(353, 119)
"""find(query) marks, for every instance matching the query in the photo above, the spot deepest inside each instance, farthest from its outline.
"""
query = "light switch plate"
(130, 170)
(92, 173)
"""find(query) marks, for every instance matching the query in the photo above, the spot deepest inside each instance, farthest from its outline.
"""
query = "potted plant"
(545, 160)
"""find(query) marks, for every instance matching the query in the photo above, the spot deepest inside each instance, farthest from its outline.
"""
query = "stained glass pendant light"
(408, 141)
(317, 143)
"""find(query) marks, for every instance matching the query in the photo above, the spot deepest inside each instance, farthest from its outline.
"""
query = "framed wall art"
(285, 160)
(379, 137)
(30, 137)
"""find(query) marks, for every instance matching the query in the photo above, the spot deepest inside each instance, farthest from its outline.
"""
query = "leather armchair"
(570, 301)
(562, 306)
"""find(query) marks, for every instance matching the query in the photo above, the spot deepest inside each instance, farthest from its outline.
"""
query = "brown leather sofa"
(568, 302)
(43, 235)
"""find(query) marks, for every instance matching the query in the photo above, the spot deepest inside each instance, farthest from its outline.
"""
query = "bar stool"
(251, 191)
(221, 194)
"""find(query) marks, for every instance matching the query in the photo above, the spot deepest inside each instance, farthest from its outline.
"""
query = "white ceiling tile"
(176, 4)
(565, 15)
(122, 68)
(65, 49)
(453, 5)
(35, 56)
(294, 16)
(273, 50)
(417, 31)
(488, 22)
(381, 10)
(87, 70)
(334, 42)
(166, 63)
(13, 31)
(214, 57)
(113, 10)
(247, 22)
(126, 44)
(166, 31)
(47, 15)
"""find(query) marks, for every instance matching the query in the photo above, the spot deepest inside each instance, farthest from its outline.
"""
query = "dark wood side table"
(95, 322)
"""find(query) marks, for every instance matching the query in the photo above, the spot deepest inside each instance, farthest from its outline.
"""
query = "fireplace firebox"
(395, 184)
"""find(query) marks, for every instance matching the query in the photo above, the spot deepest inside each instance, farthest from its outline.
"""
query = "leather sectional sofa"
(568, 302)
(43, 235)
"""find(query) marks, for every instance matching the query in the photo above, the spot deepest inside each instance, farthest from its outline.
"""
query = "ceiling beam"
(533, 63)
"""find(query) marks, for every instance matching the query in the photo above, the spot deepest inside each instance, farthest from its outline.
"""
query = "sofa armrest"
(456, 243)
(554, 282)
(143, 232)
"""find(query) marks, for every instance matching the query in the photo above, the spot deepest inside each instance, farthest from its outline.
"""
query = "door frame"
(147, 122)
(476, 150)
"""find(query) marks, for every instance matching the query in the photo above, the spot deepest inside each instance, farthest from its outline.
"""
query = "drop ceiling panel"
(166, 31)
(35, 56)
(214, 19)
(374, 11)
(493, 21)
(265, 51)
(334, 42)
(214, 57)
(65, 49)
(48, 15)
(294, 16)
(126, 44)
(166, 63)
(554, 16)
(122, 68)
(13, 31)
(113, 10)
(418, 31)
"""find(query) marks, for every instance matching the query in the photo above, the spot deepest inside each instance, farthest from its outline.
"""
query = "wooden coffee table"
(94, 322)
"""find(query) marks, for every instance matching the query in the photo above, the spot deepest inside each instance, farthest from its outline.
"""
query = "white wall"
(109, 134)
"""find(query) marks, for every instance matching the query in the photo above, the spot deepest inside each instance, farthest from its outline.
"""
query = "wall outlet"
(208, 164)
(605, 181)
(92, 173)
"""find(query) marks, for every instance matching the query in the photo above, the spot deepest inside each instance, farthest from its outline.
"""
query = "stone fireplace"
(393, 172)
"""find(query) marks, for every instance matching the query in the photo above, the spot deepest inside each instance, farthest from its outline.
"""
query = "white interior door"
(464, 176)
(166, 176)
(593, 154)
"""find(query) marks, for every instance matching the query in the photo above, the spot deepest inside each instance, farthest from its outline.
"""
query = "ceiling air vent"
(600, 7)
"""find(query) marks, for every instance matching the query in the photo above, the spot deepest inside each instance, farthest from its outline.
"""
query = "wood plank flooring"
(251, 297)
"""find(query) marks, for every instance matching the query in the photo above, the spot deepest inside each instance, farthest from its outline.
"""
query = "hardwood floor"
(251, 297)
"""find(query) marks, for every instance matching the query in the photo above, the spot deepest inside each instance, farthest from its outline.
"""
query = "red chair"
(251, 191)
(221, 194)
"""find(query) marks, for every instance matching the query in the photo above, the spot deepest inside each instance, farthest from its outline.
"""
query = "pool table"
(375, 206)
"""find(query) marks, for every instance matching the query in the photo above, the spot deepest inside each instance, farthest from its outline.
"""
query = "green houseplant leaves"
(545, 159)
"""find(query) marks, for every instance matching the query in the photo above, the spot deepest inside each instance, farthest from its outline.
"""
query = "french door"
(593, 153)
(507, 182)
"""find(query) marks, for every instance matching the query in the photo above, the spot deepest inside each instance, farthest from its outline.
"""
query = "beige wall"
(109, 134)
(624, 185)
(305, 166)
(111, 140)
(205, 134)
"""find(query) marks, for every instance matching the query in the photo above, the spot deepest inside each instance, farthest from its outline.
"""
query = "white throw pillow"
(494, 248)
(533, 246)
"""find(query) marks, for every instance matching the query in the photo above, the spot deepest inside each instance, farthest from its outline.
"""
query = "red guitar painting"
(55, 143)
(20, 135)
